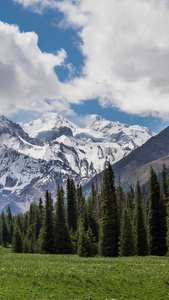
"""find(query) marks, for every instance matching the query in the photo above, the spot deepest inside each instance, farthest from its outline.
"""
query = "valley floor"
(69, 277)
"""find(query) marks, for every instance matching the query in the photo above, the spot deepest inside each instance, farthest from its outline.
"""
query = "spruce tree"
(127, 244)
(37, 222)
(30, 245)
(109, 226)
(167, 236)
(165, 189)
(156, 246)
(139, 222)
(130, 199)
(17, 239)
(71, 205)
(9, 224)
(165, 183)
(81, 245)
(87, 245)
(63, 244)
(120, 200)
(25, 222)
(4, 231)
(163, 242)
(46, 236)
(93, 212)
(165, 204)
(40, 206)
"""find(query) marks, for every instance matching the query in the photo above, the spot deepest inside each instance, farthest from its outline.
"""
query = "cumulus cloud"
(126, 49)
(27, 75)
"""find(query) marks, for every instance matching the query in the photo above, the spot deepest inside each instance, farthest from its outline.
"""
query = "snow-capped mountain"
(42, 154)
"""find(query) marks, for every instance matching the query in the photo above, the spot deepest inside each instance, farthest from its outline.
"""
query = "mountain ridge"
(33, 164)
(136, 164)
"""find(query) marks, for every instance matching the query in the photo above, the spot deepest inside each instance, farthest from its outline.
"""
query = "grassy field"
(26, 276)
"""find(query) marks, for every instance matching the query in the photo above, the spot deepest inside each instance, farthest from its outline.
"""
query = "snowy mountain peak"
(98, 123)
(96, 118)
(49, 122)
(4, 122)
(43, 153)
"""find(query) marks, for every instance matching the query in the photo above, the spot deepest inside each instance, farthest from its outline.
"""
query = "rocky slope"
(137, 164)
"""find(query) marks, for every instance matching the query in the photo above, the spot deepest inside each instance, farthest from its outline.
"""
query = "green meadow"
(35, 276)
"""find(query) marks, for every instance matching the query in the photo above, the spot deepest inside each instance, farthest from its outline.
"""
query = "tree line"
(109, 223)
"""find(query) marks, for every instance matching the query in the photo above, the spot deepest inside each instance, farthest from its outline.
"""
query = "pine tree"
(4, 231)
(9, 224)
(81, 246)
(87, 245)
(163, 242)
(109, 226)
(17, 239)
(155, 216)
(46, 236)
(63, 242)
(30, 240)
(37, 222)
(71, 205)
(165, 204)
(120, 200)
(130, 199)
(25, 223)
(140, 226)
(93, 212)
(127, 244)
(167, 236)
(40, 206)
(80, 201)
(165, 183)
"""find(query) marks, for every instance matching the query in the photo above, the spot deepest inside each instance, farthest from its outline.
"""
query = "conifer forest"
(109, 223)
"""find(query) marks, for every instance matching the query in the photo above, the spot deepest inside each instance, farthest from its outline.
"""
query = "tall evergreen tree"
(156, 228)
(46, 236)
(40, 206)
(93, 212)
(130, 199)
(165, 204)
(4, 231)
(165, 183)
(62, 236)
(109, 226)
(165, 188)
(71, 205)
(81, 245)
(86, 241)
(139, 222)
(9, 224)
(120, 199)
(127, 244)
(17, 240)
(30, 244)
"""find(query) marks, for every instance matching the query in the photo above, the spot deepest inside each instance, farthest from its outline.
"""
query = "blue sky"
(78, 58)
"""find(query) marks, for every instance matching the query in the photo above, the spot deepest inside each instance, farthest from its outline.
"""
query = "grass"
(34, 276)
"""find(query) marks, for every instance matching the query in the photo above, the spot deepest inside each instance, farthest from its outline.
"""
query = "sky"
(82, 57)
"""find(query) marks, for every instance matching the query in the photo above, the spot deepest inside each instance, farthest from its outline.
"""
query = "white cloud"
(37, 5)
(27, 75)
(126, 48)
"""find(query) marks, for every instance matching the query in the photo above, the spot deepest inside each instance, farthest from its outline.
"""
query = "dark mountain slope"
(137, 164)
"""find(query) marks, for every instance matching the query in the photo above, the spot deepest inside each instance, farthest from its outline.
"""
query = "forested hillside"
(110, 223)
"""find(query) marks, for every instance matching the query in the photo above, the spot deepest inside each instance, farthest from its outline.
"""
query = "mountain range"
(136, 165)
(41, 154)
